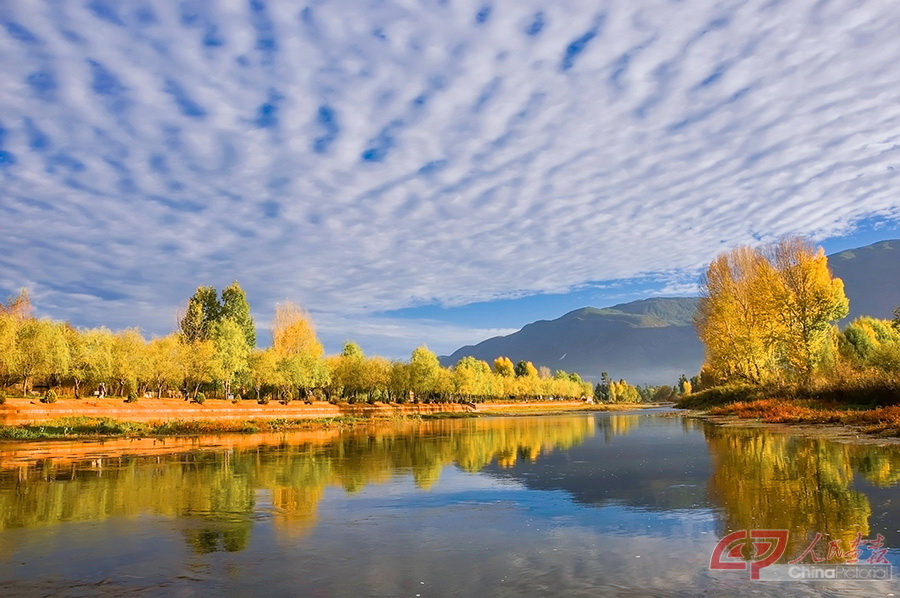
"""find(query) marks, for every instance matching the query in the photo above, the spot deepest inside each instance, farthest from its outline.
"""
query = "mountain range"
(653, 341)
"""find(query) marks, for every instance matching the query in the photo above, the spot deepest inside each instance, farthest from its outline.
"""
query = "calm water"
(577, 505)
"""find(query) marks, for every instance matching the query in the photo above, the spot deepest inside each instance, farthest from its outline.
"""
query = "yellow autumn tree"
(294, 341)
(293, 332)
(503, 366)
(735, 319)
(766, 314)
(807, 301)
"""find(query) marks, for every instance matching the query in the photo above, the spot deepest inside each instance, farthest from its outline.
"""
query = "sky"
(435, 171)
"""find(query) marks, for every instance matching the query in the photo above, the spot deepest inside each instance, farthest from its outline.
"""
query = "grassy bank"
(872, 405)
(105, 427)
(879, 421)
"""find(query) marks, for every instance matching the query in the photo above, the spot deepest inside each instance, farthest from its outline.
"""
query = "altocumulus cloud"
(360, 157)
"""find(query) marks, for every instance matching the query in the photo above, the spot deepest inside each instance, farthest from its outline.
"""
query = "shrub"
(236, 399)
(132, 397)
(264, 399)
(2, 398)
(200, 398)
(49, 396)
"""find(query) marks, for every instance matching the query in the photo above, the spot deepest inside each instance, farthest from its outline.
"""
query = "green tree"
(235, 308)
(352, 350)
(622, 392)
(863, 336)
(196, 365)
(232, 353)
(203, 310)
(526, 369)
(601, 391)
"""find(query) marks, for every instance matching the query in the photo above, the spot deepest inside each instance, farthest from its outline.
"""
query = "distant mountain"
(653, 341)
(871, 278)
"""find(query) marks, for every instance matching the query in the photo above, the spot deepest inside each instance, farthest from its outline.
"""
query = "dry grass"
(883, 421)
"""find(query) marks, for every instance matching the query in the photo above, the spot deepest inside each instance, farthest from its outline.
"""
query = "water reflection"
(605, 504)
(214, 495)
(771, 480)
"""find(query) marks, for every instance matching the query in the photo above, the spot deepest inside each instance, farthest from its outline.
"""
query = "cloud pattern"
(360, 157)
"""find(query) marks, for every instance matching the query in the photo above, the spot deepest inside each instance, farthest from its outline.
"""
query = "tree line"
(214, 353)
(767, 317)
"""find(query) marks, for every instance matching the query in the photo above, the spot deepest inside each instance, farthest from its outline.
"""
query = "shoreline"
(24, 420)
(837, 432)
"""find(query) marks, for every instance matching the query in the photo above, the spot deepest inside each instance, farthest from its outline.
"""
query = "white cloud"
(678, 129)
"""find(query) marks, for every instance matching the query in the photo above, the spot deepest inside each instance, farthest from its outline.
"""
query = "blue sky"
(431, 171)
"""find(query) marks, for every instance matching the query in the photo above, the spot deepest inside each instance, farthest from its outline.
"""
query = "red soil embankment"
(14, 454)
(32, 411)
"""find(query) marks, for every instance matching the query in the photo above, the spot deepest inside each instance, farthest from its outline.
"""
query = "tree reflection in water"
(214, 494)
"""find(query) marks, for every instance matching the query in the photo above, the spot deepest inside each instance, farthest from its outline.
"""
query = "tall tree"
(236, 309)
(807, 301)
(503, 366)
(203, 310)
(163, 355)
(9, 348)
(18, 306)
(293, 332)
(423, 372)
(129, 360)
(767, 314)
(43, 351)
(526, 369)
(735, 316)
(232, 353)
(91, 356)
(299, 350)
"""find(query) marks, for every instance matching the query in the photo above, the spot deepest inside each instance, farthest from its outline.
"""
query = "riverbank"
(879, 421)
(867, 406)
(26, 419)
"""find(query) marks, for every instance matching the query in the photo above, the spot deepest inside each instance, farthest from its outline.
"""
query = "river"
(605, 504)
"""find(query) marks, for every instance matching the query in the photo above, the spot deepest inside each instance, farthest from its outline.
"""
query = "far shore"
(29, 419)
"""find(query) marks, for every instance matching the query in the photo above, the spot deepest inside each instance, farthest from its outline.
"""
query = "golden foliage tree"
(807, 300)
(91, 356)
(299, 350)
(293, 332)
(42, 351)
(767, 314)
(503, 366)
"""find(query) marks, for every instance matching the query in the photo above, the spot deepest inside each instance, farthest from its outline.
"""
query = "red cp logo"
(728, 553)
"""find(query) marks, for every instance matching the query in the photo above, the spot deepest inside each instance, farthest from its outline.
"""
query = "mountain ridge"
(635, 340)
